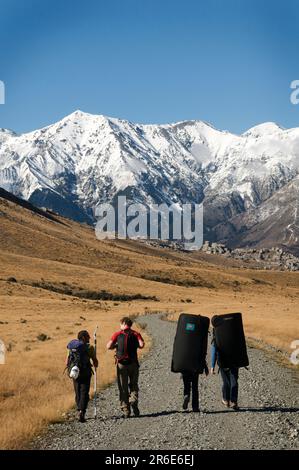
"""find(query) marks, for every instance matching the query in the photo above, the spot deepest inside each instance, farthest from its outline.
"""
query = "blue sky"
(229, 62)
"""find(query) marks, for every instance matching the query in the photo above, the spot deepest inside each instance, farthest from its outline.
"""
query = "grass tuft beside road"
(56, 279)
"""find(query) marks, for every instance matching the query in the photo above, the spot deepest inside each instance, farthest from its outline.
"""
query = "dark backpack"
(79, 357)
(127, 345)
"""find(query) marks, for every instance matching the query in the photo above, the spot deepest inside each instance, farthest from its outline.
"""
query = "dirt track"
(268, 418)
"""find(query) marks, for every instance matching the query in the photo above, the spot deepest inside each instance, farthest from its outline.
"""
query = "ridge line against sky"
(173, 123)
(230, 62)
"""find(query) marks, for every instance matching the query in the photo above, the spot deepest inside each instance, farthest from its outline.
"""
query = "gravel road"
(268, 417)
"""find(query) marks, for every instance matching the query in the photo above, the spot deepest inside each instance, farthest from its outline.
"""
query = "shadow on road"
(266, 409)
(160, 413)
(148, 415)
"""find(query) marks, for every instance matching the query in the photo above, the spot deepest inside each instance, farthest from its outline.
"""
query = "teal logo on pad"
(190, 326)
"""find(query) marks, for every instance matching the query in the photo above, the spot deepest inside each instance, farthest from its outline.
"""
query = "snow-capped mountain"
(85, 159)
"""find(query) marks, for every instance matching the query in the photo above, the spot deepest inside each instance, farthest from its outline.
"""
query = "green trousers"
(127, 378)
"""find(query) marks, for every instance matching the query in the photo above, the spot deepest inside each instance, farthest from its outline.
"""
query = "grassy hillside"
(57, 278)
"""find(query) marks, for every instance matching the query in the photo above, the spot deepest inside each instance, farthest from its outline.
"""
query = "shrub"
(43, 337)
(90, 295)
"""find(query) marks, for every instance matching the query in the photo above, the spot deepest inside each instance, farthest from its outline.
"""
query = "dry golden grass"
(33, 389)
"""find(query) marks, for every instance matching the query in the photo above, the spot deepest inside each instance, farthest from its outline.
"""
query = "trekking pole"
(95, 373)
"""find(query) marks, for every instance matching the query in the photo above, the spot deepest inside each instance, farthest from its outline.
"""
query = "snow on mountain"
(5, 134)
(265, 128)
(85, 159)
(274, 222)
(264, 154)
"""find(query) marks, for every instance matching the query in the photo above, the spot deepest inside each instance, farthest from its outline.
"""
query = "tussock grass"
(42, 253)
(34, 391)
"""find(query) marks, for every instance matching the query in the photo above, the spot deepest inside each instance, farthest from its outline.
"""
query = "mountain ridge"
(85, 159)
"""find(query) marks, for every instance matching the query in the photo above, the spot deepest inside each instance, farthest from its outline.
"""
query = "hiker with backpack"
(81, 357)
(228, 349)
(126, 342)
(189, 355)
(229, 377)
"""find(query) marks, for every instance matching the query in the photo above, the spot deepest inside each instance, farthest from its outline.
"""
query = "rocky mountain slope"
(249, 182)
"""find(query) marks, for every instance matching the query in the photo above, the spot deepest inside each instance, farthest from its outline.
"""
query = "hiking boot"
(126, 413)
(186, 402)
(234, 406)
(82, 417)
(135, 409)
(225, 403)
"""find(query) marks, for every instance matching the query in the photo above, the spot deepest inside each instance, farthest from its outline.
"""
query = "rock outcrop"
(267, 258)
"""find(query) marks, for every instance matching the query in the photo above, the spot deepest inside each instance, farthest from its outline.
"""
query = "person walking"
(189, 355)
(190, 381)
(230, 376)
(127, 342)
(81, 357)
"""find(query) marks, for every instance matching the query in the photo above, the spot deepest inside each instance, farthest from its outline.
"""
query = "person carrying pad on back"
(126, 342)
(189, 354)
(228, 349)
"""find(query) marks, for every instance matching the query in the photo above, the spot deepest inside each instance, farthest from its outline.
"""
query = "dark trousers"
(230, 384)
(81, 387)
(191, 382)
